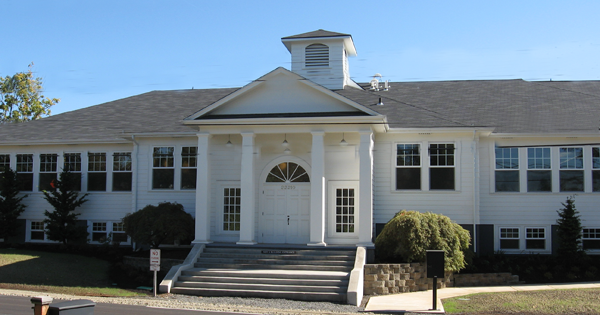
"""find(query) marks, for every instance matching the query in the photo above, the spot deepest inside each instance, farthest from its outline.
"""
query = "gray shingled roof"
(317, 33)
(509, 106)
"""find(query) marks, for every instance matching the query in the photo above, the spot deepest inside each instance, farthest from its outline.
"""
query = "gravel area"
(230, 304)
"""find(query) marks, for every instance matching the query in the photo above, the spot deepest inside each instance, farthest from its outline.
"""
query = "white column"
(248, 191)
(317, 190)
(365, 203)
(203, 191)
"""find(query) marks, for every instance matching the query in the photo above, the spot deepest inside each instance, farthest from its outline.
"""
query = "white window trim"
(546, 238)
(85, 175)
(175, 168)
(181, 167)
(109, 230)
(519, 239)
(331, 206)
(523, 238)
(28, 233)
(588, 238)
(110, 170)
(221, 186)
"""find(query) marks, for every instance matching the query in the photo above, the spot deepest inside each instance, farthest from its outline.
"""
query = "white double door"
(284, 213)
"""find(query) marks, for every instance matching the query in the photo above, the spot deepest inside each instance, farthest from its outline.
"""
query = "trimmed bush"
(409, 234)
(153, 225)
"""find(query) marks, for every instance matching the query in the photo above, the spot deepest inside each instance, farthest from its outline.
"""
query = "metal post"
(434, 293)
(154, 287)
(41, 304)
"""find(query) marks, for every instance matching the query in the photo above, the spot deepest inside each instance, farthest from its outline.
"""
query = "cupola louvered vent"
(317, 55)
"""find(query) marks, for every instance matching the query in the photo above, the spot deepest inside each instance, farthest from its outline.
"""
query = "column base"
(246, 243)
(323, 244)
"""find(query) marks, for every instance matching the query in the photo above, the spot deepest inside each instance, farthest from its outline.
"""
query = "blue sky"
(91, 52)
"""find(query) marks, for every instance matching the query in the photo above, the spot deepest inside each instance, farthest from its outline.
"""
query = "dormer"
(322, 57)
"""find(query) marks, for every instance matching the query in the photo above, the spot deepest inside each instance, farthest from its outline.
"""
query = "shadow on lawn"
(54, 269)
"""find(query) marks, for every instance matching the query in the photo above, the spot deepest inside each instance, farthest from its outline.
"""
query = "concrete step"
(278, 251)
(271, 266)
(268, 274)
(280, 257)
(293, 295)
(261, 287)
(341, 282)
(254, 261)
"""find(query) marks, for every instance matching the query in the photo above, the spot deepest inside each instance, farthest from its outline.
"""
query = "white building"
(308, 156)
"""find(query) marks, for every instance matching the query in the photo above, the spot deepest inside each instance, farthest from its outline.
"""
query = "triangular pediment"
(282, 93)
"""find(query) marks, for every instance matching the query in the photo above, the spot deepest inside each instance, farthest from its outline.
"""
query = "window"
(408, 166)
(99, 232)
(121, 171)
(344, 210)
(316, 55)
(4, 162)
(96, 172)
(25, 172)
(509, 238)
(539, 175)
(118, 233)
(48, 175)
(441, 166)
(73, 164)
(591, 239)
(507, 169)
(571, 169)
(231, 209)
(535, 238)
(188, 167)
(163, 173)
(596, 169)
(37, 232)
(288, 172)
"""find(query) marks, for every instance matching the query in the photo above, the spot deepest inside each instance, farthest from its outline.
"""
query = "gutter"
(134, 184)
(475, 149)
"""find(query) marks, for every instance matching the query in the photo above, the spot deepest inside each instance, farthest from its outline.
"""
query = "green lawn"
(576, 301)
(59, 273)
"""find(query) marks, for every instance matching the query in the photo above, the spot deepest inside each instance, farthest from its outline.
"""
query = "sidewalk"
(422, 302)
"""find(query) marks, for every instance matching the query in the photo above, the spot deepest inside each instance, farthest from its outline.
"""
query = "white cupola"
(322, 57)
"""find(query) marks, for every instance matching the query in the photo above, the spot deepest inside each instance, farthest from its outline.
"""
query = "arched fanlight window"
(287, 172)
(316, 55)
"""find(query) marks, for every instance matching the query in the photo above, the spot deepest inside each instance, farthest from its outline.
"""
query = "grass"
(575, 301)
(58, 273)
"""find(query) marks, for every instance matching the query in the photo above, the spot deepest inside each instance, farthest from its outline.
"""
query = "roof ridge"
(564, 89)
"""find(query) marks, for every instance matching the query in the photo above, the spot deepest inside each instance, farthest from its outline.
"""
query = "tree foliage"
(569, 230)
(61, 224)
(409, 234)
(21, 98)
(155, 224)
(10, 203)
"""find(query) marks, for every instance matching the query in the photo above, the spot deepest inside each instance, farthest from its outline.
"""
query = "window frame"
(518, 238)
(453, 166)
(331, 209)
(541, 168)
(189, 156)
(43, 166)
(511, 169)
(157, 158)
(78, 171)
(527, 238)
(596, 238)
(109, 231)
(225, 205)
(595, 169)
(29, 229)
(118, 170)
(92, 166)
(221, 204)
(576, 167)
(4, 162)
(28, 165)
(412, 166)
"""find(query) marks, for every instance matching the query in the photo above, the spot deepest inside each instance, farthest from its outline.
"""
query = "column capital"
(317, 133)
(248, 134)
(203, 135)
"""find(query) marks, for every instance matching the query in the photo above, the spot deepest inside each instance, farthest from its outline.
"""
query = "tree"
(409, 234)
(21, 98)
(61, 224)
(569, 231)
(155, 224)
(10, 204)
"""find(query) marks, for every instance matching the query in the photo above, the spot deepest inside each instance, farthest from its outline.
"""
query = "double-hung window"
(189, 158)
(163, 172)
(4, 162)
(48, 175)
(408, 166)
(121, 171)
(96, 172)
(118, 233)
(441, 166)
(507, 169)
(535, 238)
(72, 162)
(509, 238)
(596, 169)
(539, 170)
(25, 172)
(571, 169)
(36, 231)
(591, 239)
(99, 232)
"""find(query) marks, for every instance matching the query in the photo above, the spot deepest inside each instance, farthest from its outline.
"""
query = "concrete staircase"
(296, 273)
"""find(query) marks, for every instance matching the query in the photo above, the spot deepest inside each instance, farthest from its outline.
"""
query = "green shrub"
(154, 225)
(409, 234)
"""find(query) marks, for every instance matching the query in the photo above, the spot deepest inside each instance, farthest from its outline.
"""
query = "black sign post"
(435, 269)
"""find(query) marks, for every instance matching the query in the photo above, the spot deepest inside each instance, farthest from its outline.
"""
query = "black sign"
(435, 264)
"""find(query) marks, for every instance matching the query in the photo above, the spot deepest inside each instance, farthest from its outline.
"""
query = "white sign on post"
(155, 257)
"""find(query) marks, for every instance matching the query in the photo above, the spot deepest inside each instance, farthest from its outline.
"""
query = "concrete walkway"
(422, 302)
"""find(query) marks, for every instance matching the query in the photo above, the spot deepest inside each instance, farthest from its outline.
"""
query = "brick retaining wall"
(382, 279)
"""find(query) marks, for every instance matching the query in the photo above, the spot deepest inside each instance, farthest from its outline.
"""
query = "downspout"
(134, 188)
(475, 150)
